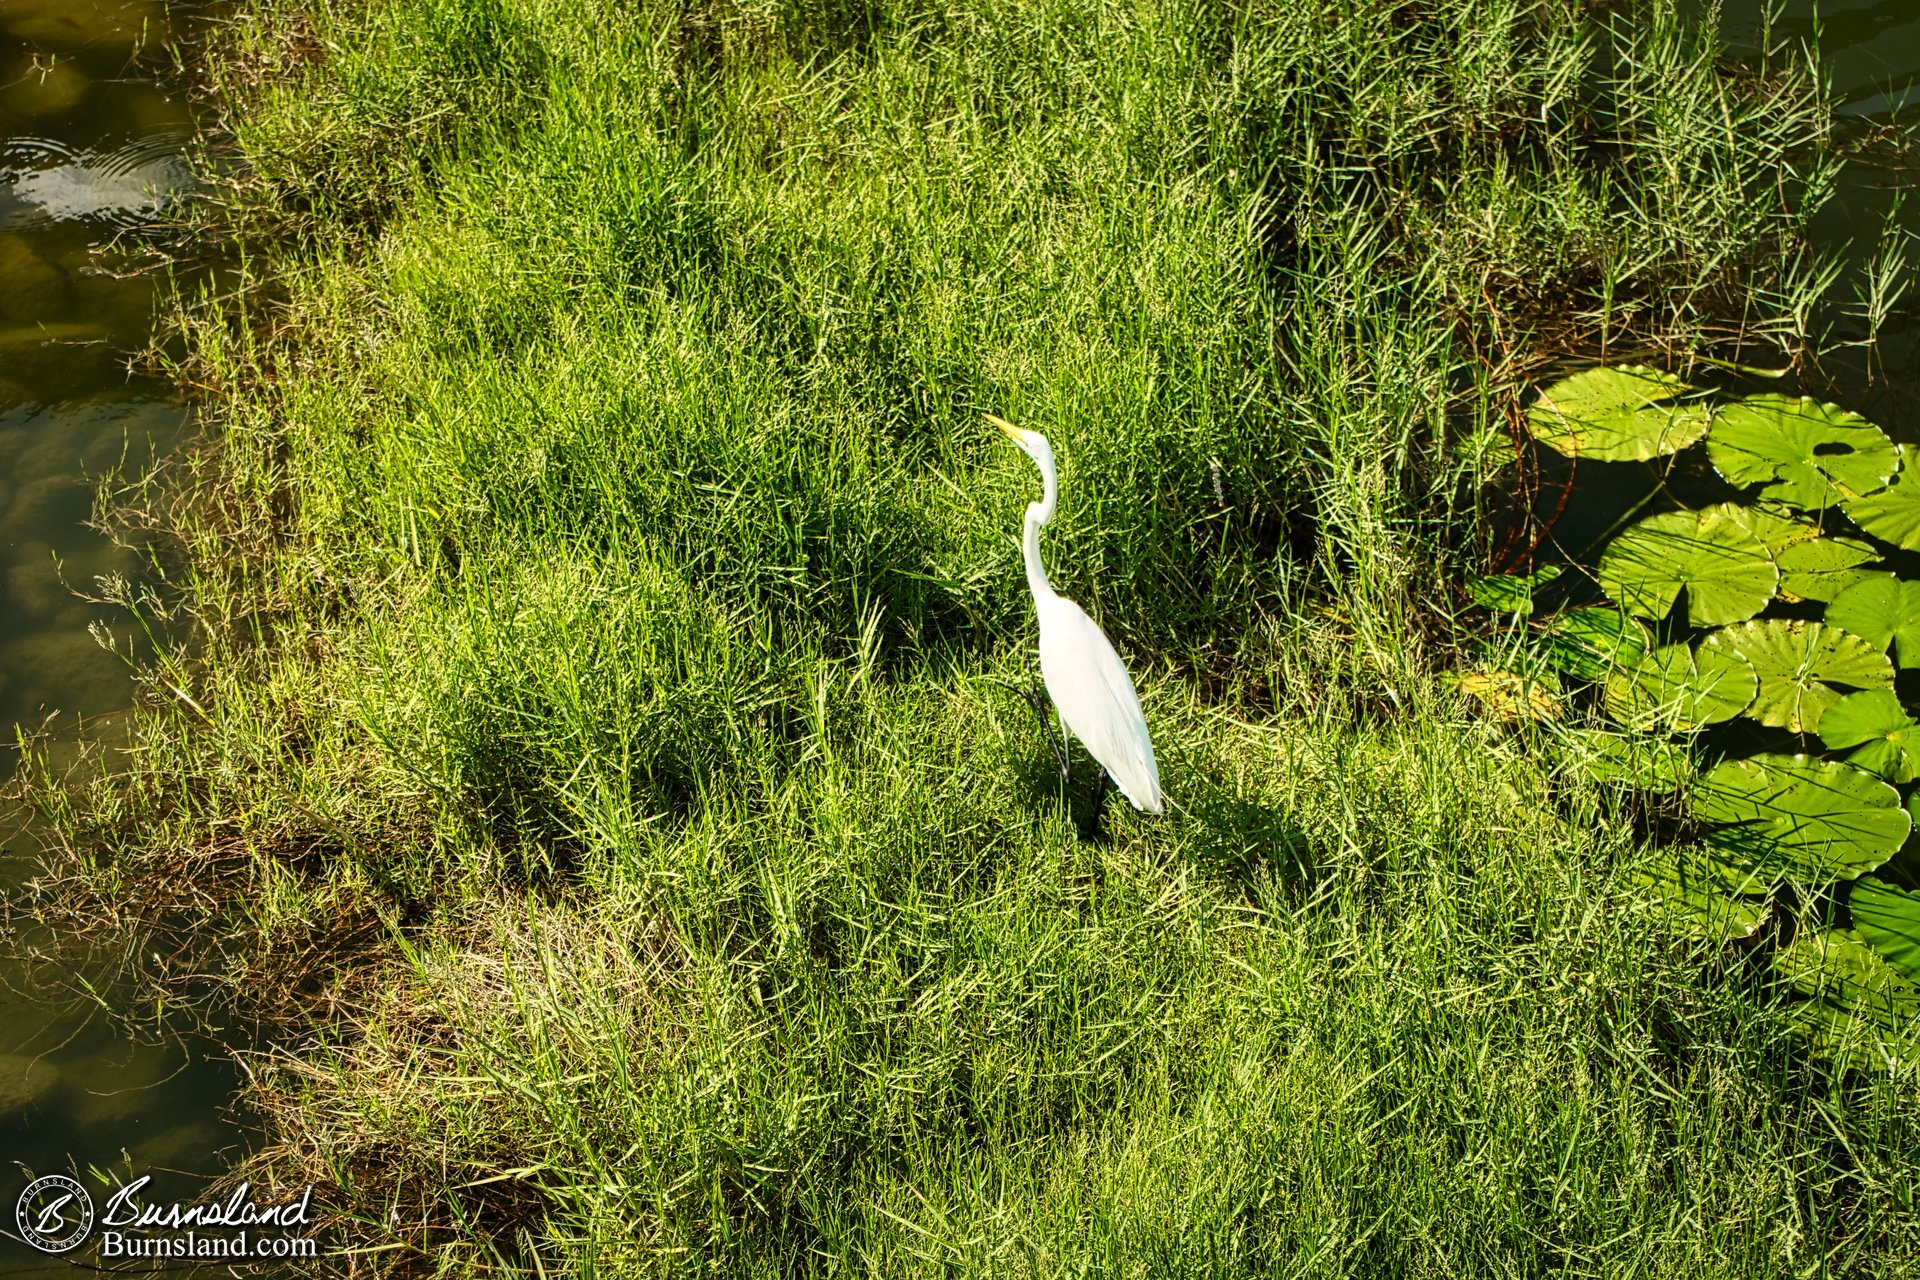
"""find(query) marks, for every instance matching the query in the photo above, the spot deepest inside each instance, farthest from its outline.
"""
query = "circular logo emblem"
(54, 1213)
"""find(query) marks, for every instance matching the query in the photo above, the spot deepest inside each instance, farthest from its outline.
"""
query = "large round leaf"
(1591, 644)
(1675, 688)
(1840, 965)
(1884, 610)
(1862, 1011)
(1884, 739)
(1799, 663)
(1777, 527)
(1510, 592)
(1812, 567)
(1805, 818)
(1701, 894)
(1617, 414)
(1823, 568)
(1810, 455)
(1510, 696)
(1893, 514)
(1646, 764)
(1889, 919)
(1724, 569)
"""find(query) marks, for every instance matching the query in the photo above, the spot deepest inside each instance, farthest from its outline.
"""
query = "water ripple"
(43, 180)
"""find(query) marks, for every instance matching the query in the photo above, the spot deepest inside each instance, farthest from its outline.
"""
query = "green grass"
(608, 639)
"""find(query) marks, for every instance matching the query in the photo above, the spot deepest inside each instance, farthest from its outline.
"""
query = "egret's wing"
(1090, 686)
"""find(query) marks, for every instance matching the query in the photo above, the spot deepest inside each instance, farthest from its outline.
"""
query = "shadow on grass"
(1224, 834)
(1082, 794)
(1249, 844)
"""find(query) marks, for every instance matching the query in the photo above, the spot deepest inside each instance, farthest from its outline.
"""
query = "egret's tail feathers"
(1145, 798)
(1095, 696)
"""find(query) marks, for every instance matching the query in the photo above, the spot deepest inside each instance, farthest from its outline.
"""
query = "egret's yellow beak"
(1013, 432)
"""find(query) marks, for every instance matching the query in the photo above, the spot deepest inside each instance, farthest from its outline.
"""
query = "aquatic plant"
(1763, 610)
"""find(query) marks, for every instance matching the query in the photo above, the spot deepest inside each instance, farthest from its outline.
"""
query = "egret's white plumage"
(1085, 678)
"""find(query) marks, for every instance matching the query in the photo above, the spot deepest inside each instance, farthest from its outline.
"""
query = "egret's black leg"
(1037, 700)
(1094, 827)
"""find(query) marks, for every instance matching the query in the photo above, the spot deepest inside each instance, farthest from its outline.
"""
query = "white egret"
(1085, 678)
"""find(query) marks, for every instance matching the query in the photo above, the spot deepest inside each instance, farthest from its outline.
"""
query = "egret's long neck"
(1038, 513)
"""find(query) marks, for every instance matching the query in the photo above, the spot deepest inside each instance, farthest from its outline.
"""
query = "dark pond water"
(91, 136)
(89, 149)
(1871, 50)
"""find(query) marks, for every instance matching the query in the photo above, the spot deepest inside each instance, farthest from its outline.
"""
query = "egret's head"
(1032, 441)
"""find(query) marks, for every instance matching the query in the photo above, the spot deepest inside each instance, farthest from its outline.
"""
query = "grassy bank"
(610, 639)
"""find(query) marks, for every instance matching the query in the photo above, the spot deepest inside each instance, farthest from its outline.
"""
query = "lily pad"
(1644, 763)
(1839, 964)
(1677, 688)
(1809, 455)
(1776, 526)
(1508, 695)
(1510, 593)
(1724, 569)
(1892, 514)
(1699, 893)
(1822, 569)
(1805, 818)
(1616, 414)
(1887, 741)
(1798, 664)
(1812, 566)
(1591, 644)
(1884, 610)
(1889, 919)
(1863, 1012)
